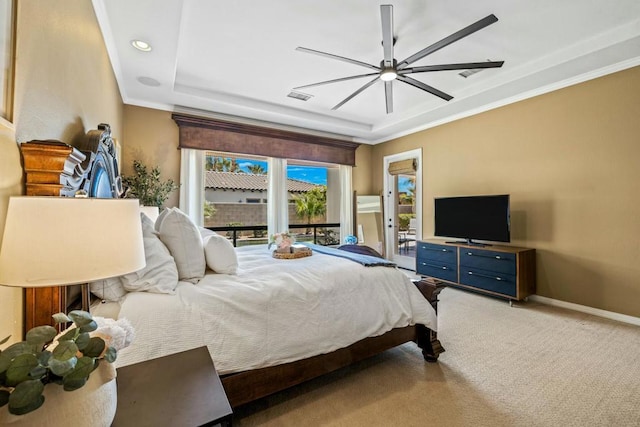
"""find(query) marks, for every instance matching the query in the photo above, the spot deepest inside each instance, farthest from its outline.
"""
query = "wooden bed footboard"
(247, 386)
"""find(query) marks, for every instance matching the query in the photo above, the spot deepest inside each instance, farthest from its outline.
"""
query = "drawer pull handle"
(499, 279)
(484, 256)
(444, 267)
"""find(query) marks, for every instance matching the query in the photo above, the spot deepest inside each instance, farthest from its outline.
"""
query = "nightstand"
(181, 389)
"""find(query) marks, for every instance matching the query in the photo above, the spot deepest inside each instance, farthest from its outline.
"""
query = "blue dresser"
(504, 271)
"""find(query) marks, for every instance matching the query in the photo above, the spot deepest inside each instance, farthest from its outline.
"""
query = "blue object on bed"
(366, 260)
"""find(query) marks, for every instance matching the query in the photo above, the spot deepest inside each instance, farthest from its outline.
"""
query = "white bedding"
(273, 311)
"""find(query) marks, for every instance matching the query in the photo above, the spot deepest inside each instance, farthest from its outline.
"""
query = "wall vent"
(299, 95)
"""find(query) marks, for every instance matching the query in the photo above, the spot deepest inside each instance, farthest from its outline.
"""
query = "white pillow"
(160, 275)
(110, 289)
(160, 218)
(204, 232)
(182, 238)
(220, 254)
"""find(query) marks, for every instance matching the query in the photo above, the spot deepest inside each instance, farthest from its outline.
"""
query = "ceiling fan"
(390, 69)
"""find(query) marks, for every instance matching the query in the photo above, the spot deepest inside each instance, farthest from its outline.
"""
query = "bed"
(272, 323)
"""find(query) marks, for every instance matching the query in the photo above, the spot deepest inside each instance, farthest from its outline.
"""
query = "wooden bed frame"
(54, 168)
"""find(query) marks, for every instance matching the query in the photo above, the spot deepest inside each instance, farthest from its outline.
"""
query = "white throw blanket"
(273, 311)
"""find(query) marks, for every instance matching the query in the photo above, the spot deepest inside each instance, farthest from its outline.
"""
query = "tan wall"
(361, 176)
(152, 138)
(570, 161)
(64, 86)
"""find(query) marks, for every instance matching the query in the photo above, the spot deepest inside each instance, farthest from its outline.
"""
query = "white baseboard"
(585, 309)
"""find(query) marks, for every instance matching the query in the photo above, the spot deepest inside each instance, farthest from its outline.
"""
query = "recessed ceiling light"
(148, 81)
(141, 45)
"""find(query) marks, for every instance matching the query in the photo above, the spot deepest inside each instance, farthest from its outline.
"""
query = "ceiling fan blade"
(448, 40)
(388, 96)
(339, 58)
(342, 79)
(425, 87)
(354, 94)
(386, 13)
(444, 67)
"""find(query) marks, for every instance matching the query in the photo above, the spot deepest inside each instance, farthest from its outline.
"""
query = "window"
(228, 179)
(314, 198)
(311, 199)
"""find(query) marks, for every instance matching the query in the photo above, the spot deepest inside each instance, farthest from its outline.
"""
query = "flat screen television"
(473, 217)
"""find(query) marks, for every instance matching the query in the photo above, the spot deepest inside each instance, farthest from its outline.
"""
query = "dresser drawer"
(488, 280)
(499, 262)
(436, 269)
(441, 253)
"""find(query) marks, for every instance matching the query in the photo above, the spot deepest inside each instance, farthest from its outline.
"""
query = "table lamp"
(60, 241)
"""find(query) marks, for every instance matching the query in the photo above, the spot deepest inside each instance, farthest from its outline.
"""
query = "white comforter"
(273, 311)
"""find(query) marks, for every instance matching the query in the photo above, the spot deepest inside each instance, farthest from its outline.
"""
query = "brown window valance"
(403, 167)
(217, 135)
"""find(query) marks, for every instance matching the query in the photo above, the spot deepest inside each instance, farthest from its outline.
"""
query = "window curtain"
(277, 203)
(346, 202)
(192, 184)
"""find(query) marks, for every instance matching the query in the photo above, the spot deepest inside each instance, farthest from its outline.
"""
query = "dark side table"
(181, 389)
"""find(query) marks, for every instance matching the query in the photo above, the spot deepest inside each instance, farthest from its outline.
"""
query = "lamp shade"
(50, 241)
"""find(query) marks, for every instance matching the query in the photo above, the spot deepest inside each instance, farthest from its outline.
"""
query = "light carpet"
(526, 365)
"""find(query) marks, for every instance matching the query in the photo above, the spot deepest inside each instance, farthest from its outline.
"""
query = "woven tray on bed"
(286, 255)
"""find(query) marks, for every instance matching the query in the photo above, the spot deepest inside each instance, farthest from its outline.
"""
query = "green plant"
(403, 221)
(209, 209)
(147, 186)
(311, 204)
(27, 366)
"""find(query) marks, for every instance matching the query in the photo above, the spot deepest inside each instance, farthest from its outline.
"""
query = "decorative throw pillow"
(160, 218)
(182, 238)
(160, 275)
(204, 232)
(110, 289)
(220, 254)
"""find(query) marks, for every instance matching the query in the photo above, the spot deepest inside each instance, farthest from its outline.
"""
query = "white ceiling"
(237, 58)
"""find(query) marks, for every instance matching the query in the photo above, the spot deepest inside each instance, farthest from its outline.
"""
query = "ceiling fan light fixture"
(388, 74)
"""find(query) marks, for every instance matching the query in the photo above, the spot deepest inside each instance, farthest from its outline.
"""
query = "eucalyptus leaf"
(73, 384)
(26, 397)
(89, 327)
(111, 355)
(38, 373)
(4, 397)
(12, 352)
(82, 340)
(41, 335)
(95, 347)
(80, 318)
(61, 318)
(61, 368)
(5, 340)
(69, 335)
(65, 350)
(19, 369)
(43, 357)
(78, 377)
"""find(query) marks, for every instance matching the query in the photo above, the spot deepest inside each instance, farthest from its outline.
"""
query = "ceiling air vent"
(467, 73)
(299, 95)
(470, 72)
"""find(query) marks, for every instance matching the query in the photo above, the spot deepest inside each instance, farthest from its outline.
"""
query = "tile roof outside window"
(250, 182)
